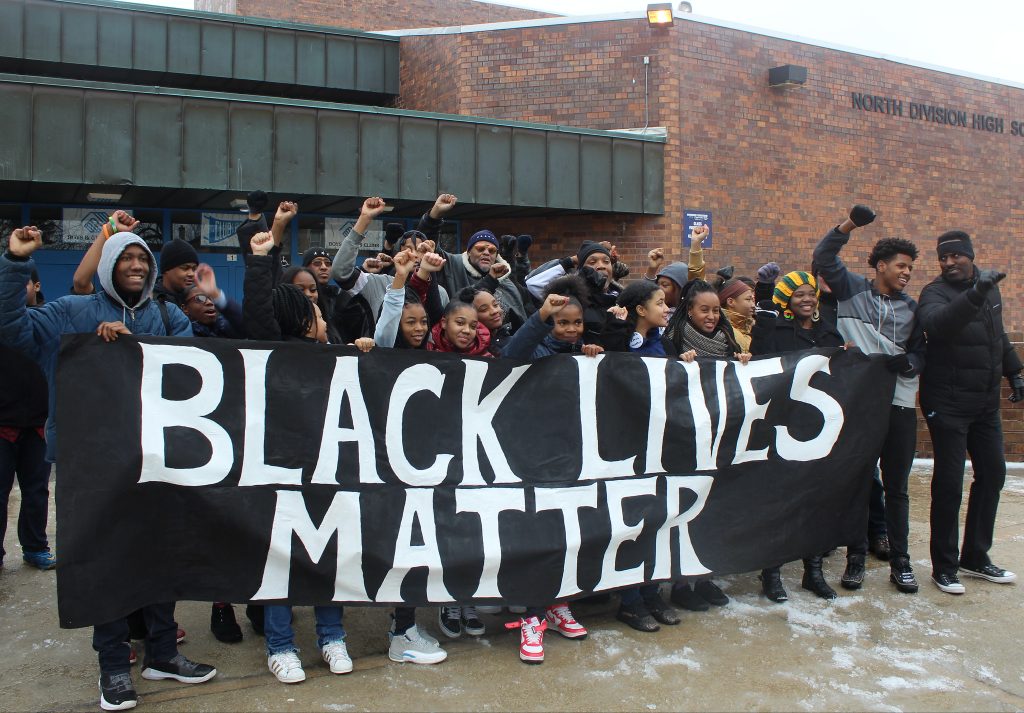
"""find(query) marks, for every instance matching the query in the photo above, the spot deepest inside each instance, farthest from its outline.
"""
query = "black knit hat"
(588, 248)
(313, 253)
(176, 253)
(955, 241)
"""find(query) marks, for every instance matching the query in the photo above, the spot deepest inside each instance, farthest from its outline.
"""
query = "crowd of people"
(487, 302)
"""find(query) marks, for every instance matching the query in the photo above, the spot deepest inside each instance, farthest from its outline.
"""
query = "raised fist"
(769, 272)
(444, 203)
(262, 243)
(286, 211)
(553, 304)
(861, 215)
(432, 262)
(698, 235)
(498, 270)
(656, 257)
(24, 241)
(124, 222)
(372, 207)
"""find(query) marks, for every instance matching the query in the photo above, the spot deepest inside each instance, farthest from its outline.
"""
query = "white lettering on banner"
(345, 382)
(255, 469)
(594, 466)
(617, 491)
(567, 500)
(291, 517)
(489, 503)
(706, 453)
(421, 377)
(419, 505)
(159, 414)
(656, 372)
(477, 423)
(822, 444)
(344, 519)
(753, 410)
(689, 564)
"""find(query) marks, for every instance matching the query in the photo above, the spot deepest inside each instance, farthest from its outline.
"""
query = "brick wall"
(777, 168)
(378, 15)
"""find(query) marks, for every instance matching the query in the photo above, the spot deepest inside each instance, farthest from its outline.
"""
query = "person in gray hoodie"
(127, 273)
(877, 315)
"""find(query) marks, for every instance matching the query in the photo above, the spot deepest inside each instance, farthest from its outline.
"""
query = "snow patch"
(339, 707)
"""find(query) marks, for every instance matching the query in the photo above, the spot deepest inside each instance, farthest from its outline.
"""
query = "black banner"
(233, 471)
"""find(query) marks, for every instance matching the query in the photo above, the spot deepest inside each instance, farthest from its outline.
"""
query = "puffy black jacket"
(968, 350)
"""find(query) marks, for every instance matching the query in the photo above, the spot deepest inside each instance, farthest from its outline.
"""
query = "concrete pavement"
(874, 649)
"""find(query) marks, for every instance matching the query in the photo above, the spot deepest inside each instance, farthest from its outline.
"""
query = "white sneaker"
(488, 609)
(335, 653)
(287, 667)
(531, 640)
(413, 647)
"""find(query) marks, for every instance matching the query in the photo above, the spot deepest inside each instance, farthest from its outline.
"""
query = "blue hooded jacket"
(37, 332)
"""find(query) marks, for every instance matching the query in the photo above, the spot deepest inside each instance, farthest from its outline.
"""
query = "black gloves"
(987, 279)
(567, 264)
(861, 215)
(524, 242)
(766, 306)
(595, 280)
(900, 363)
(1016, 387)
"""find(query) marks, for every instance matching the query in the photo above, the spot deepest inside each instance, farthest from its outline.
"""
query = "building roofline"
(652, 136)
(701, 19)
(233, 19)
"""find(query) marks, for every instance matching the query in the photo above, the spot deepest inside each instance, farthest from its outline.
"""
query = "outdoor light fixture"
(103, 197)
(240, 204)
(659, 14)
(788, 75)
(685, 7)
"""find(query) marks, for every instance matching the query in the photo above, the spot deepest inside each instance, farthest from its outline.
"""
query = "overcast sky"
(982, 37)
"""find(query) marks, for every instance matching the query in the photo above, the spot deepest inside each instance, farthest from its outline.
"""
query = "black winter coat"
(968, 351)
(774, 334)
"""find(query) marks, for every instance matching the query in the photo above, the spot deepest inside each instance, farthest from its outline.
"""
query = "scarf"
(481, 343)
(739, 322)
(717, 345)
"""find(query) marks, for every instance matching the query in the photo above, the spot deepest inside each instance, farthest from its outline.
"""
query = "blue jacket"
(37, 332)
(534, 341)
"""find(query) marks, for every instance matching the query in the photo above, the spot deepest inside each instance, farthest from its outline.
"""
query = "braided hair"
(293, 312)
(691, 290)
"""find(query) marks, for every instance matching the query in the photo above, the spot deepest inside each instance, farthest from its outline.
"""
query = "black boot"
(255, 614)
(660, 610)
(853, 577)
(771, 584)
(814, 580)
(223, 625)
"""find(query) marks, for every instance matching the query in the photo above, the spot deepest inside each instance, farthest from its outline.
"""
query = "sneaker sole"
(418, 658)
(475, 632)
(572, 636)
(153, 675)
(290, 681)
(981, 575)
(950, 590)
(905, 588)
(116, 706)
(531, 660)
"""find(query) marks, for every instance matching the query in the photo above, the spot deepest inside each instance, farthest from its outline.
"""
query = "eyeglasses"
(200, 298)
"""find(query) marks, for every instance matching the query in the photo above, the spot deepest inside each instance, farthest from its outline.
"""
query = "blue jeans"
(629, 597)
(26, 458)
(277, 625)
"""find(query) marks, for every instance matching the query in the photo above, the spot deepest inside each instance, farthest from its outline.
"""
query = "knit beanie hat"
(313, 253)
(785, 288)
(408, 235)
(485, 235)
(678, 272)
(175, 253)
(588, 248)
(955, 241)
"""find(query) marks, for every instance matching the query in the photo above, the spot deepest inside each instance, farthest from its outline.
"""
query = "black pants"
(26, 458)
(109, 640)
(953, 437)
(897, 458)
(876, 508)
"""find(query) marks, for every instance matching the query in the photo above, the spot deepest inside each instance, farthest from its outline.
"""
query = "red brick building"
(929, 149)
